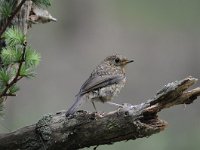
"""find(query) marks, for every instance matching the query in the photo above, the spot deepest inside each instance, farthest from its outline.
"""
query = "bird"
(104, 83)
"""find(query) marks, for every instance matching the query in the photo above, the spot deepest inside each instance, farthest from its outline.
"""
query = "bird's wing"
(97, 82)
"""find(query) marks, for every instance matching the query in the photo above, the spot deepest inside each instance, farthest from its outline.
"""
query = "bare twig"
(13, 14)
(85, 129)
(17, 76)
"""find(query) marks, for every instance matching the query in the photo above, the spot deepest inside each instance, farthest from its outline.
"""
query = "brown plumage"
(104, 83)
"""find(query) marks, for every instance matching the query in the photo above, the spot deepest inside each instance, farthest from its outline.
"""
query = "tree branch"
(17, 9)
(17, 76)
(85, 129)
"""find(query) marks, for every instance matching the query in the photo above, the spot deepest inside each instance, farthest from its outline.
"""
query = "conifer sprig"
(18, 61)
(17, 76)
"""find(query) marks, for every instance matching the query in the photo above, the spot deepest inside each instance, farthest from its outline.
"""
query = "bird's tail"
(77, 104)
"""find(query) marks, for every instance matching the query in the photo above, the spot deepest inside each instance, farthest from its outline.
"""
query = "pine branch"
(17, 15)
(17, 76)
(85, 129)
(17, 9)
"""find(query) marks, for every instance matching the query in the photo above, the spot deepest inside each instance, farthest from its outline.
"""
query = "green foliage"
(4, 76)
(14, 37)
(26, 71)
(32, 58)
(7, 56)
(11, 55)
(46, 3)
(6, 8)
(13, 89)
(18, 61)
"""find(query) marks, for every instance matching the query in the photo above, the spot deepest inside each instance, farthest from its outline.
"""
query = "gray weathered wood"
(85, 129)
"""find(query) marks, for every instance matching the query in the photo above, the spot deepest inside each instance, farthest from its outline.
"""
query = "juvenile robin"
(105, 82)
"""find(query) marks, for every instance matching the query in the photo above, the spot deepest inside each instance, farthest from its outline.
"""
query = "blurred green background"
(162, 36)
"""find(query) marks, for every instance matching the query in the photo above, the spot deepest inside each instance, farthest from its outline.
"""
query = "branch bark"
(85, 129)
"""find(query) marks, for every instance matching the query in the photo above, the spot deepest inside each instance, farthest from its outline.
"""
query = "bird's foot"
(115, 104)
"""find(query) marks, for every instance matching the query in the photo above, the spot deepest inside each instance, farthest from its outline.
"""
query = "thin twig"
(11, 17)
(17, 76)
(9, 94)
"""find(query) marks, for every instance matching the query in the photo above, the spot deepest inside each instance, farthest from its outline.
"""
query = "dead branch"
(85, 129)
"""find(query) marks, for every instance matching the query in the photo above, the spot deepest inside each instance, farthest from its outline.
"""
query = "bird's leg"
(115, 104)
(94, 106)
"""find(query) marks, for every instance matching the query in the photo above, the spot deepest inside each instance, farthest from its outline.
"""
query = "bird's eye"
(117, 60)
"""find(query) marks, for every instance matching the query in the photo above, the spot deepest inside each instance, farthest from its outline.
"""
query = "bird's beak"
(128, 61)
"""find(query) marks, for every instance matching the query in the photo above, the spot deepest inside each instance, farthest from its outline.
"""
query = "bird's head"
(118, 60)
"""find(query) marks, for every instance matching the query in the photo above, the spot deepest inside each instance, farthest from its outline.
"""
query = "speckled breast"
(107, 93)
